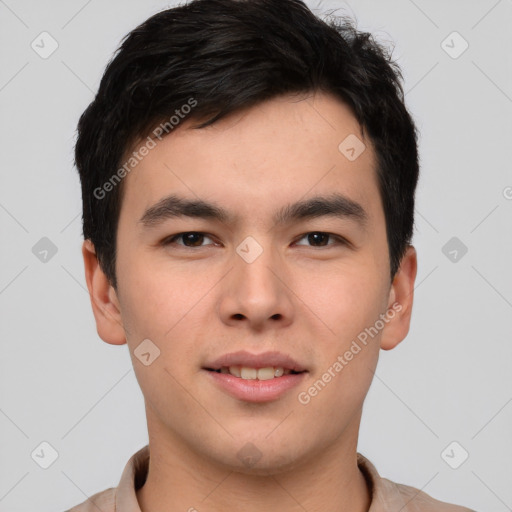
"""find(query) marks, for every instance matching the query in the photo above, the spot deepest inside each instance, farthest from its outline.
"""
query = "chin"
(252, 461)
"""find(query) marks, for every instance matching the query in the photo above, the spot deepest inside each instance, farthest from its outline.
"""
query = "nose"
(256, 292)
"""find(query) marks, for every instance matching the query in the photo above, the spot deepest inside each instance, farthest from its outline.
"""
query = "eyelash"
(170, 240)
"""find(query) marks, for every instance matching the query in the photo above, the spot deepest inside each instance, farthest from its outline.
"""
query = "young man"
(248, 177)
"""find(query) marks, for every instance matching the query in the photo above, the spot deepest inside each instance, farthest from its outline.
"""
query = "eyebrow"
(334, 205)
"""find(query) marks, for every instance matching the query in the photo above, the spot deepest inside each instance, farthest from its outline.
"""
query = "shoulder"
(420, 501)
(389, 496)
(103, 500)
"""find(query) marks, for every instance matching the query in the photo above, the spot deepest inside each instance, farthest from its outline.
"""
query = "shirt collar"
(385, 495)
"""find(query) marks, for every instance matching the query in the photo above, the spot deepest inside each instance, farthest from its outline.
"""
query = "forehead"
(266, 157)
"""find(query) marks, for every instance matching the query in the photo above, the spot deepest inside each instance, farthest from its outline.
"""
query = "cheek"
(169, 305)
(350, 305)
(347, 299)
(348, 351)
(160, 306)
(158, 296)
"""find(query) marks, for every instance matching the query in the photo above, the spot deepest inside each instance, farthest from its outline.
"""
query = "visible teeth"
(234, 370)
(266, 373)
(247, 373)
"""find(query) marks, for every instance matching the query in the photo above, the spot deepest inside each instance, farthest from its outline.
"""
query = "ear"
(401, 296)
(104, 301)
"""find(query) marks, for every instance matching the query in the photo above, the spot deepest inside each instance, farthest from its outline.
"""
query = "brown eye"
(190, 239)
(320, 239)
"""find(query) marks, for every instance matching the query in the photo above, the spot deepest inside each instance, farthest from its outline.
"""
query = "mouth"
(249, 373)
(251, 377)
(257, 385)
(262, 366)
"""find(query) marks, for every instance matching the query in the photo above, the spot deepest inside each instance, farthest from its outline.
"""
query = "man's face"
(306, 294)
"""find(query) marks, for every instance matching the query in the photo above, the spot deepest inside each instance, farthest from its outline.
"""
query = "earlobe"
(104, 301)
(400, 302)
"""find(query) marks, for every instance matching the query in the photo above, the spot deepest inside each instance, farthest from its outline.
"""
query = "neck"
(180, 479)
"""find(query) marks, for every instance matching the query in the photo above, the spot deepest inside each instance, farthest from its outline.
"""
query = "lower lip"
(254, 390)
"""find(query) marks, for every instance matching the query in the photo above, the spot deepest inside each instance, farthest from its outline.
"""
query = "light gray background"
(450, 380)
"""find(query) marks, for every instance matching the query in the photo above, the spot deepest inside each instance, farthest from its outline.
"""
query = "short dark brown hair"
(229, 55)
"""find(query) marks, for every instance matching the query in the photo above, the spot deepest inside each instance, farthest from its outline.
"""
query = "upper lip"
(263, 360)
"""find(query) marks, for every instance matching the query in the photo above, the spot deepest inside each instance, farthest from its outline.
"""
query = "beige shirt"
(387, 496)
